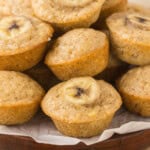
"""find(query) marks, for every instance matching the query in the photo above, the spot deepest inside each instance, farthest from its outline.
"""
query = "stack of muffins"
(82, 43)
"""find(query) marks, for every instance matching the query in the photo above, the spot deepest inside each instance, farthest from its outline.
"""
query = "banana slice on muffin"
(130, 36)
(22, 42)
(65, 14)
(134, 87)
(79, 52)
(17, 7)
(87, 90)
(20, 97)
(109, 7)
(81, 107)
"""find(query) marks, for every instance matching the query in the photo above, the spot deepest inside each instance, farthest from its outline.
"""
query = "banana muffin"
(134, 87)
(130, 36)
(22, 42)
(65, 14)
(17, 7)
(79, 52)
(109, 7)
(81, 107)
(20, 97)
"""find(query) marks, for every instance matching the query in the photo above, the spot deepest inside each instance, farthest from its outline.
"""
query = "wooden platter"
(135, 141)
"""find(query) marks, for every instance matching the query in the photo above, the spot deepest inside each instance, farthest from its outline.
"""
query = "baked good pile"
(80, 61)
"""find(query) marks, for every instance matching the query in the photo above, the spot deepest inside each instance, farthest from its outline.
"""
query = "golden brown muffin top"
(17, 88)
(57, 11)
(81, 100)
(18, 7)
(19, 33)
(73, 3)
(130, 26)
(75, 44)
(136, 82)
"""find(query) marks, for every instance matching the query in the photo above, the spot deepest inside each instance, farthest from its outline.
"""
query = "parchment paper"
(42, 130)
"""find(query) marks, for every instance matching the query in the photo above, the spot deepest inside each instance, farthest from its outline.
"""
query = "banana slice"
(12, 26)
(82, 91)
(139, 21)
(73, 3)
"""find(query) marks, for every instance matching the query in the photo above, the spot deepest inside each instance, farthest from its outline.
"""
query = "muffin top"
(81, 100)
(16, 88)
(136, 82)
(18, 33)
(73, 3)
(76, 43)
(18, 7)
(61, 11)
(130, 26)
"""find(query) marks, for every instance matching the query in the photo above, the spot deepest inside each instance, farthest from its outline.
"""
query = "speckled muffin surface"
(20, 97)
(17, 7)
(66, 15)
(22, 41)
(75, 98)
(79, 52)
(135, 89)
(130, 35)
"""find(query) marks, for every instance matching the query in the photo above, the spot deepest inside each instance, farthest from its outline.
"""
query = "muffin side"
(81, 58)
(130, 37)
(64, 18)
(68, 112)
(19, 98)
(26, 54)
(134, 87)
